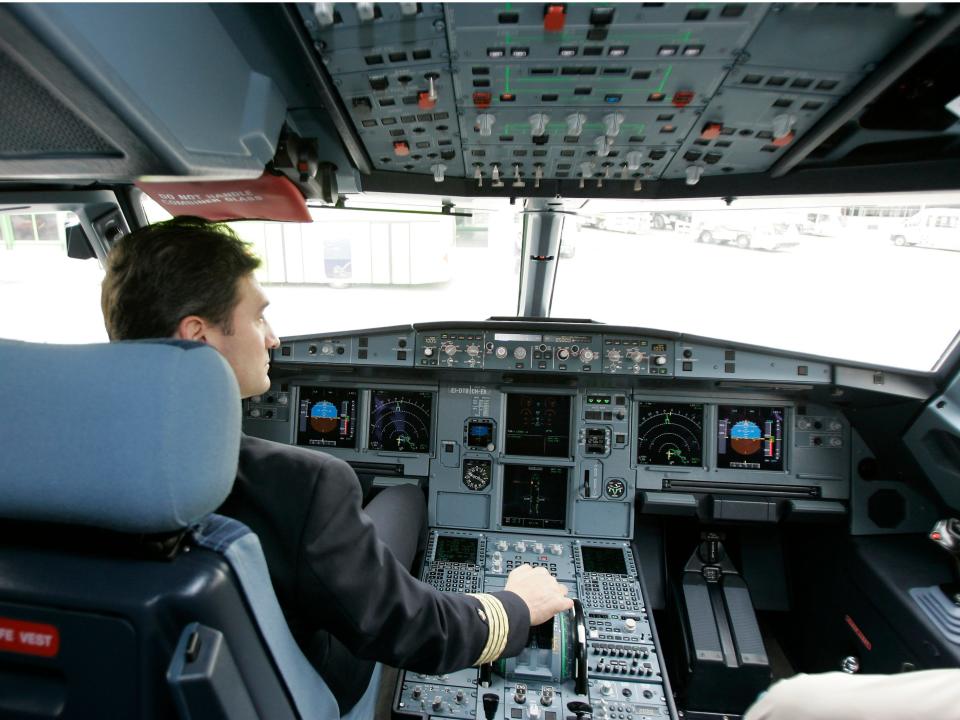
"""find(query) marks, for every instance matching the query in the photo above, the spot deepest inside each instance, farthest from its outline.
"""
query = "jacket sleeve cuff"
(518, 615)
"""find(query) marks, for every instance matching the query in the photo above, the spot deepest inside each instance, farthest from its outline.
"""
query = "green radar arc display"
(670, 434)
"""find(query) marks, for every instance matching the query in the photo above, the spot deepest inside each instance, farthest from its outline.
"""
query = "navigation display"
(670, 434)
(456, 550)
(401, 421)
(603, 560)
(328, 417)
(538, 425)
(534, 497)
(749, 437)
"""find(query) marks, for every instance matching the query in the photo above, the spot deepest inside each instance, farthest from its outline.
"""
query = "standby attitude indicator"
(670, 434)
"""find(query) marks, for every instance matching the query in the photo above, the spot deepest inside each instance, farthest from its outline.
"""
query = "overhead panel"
(512, 94)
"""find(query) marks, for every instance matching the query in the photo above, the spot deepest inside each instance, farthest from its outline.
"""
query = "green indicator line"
(666, 76)
(506, 80)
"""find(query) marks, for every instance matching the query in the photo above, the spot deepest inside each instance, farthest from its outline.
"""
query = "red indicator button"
(482, 99)
(785, 140)
(711, 130)
(935, 536)
(425, 102)
(401, 148)
(554, 18)
(29, 638)
(682, 98)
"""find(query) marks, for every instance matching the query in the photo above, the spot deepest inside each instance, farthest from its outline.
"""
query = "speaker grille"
(35, 124)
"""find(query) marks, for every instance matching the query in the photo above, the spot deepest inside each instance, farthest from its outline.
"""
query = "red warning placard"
(269, 197)
(28, 638)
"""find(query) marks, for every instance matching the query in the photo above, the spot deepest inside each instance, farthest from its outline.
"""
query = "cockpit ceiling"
(631, 100)
(520, 96)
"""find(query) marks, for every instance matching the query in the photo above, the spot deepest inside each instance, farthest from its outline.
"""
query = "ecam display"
(538, 425)
(535, 496)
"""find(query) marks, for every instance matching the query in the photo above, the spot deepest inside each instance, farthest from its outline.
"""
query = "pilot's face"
(247, 347)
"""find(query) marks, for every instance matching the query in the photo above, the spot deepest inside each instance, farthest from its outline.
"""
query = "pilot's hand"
(540, 591)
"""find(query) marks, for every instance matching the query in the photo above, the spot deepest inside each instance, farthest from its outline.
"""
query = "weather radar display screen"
(400, 421)
(538, 425)
(750, 438)
(328, 417)
(670, 434)
(534, 496)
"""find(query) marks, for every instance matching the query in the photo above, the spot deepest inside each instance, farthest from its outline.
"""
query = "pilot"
(839, 696)
(341, 572)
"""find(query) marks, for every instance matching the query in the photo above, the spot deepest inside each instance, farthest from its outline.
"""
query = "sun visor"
(269, 197)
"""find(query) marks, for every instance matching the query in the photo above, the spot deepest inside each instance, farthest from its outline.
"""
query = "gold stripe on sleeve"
(497, 628)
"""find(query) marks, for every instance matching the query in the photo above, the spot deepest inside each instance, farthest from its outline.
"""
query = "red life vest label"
(29, 638)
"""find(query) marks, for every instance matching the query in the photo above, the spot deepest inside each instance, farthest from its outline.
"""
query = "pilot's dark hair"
(160, 274)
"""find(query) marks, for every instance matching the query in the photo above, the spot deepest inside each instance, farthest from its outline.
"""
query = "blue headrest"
(138, 437)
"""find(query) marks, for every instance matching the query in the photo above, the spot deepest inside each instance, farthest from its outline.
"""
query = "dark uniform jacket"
(333, 576)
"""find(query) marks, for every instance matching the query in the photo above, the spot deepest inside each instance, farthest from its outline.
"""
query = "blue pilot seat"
(121, 595)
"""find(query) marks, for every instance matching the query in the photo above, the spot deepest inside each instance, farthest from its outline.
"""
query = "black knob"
(688, 353)
(490, 704)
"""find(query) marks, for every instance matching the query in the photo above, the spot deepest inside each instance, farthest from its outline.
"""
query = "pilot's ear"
(192, 327)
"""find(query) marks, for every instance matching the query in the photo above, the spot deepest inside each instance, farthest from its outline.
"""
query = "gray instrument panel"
(476, 427)
(513, 94)
(539, 445)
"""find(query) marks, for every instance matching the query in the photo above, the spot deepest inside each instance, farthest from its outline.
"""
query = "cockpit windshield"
(847, 277)
(843, 277)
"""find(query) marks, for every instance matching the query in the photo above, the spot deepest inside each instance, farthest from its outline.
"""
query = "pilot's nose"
(271, 339)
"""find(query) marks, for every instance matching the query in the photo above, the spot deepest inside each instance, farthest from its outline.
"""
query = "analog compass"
(476, 473)
(670, 434)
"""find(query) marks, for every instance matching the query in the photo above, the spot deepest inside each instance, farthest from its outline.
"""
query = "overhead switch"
(425, 102)
(485, 123)
(482, 99)
(612, 123)
(783, 125)
(495, 180)
(603, 145)
(575, 123)
(408, 8)
(538, 124)
(785, 140)
(401, 148)
(694, 173)
(711, 130)
(365, 11)
(633, 159)
(323, 12)
(601, 16)
(682, 98)
(586, 170)
(438, 170)
(554, 18)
